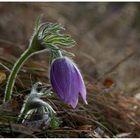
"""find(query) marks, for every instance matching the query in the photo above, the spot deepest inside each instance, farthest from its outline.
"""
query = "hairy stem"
(13, 74)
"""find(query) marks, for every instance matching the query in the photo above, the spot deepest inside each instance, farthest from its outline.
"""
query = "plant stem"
(13, 74)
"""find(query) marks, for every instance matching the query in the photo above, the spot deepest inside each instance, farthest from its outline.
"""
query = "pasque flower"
(67, 81)
(46, 37)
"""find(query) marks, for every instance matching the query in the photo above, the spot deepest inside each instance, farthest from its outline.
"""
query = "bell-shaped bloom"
(67, 81)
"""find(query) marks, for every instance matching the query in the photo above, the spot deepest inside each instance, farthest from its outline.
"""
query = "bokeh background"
(105, 34)
(107, 50)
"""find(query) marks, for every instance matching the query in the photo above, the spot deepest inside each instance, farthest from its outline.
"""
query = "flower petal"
(81, 85)
(61, 75)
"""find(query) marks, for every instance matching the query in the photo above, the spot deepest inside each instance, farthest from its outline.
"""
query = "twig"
(116, 65)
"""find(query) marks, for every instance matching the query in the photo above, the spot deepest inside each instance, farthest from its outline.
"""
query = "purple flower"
(67, 81)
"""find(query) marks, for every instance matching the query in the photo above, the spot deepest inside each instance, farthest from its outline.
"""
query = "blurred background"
(107, 53)
(106, 34)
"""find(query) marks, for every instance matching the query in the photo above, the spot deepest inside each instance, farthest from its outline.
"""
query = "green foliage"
(55, 122)
(50, 36)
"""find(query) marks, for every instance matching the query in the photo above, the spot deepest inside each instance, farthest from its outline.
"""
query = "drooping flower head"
(67, 81)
